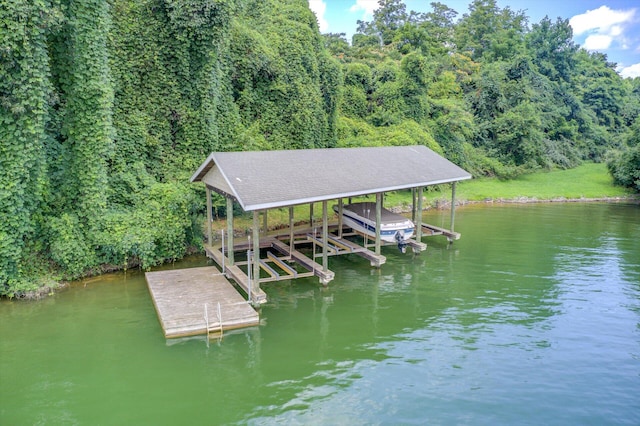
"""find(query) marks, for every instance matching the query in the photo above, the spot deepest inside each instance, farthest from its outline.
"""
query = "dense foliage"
(107, 107)
(499, 96)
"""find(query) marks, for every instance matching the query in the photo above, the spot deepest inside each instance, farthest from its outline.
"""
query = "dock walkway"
(180, 297)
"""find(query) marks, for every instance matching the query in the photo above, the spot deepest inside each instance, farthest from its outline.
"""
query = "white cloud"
(603, 27)
(597, 42)
(368, 6)
(631, 71)
(616, 30)
(600, 20)
(319, 7)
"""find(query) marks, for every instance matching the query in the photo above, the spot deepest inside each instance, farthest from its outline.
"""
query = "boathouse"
(203, 301)
(262, 180)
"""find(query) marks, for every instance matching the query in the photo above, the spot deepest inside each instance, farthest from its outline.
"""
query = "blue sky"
(607, 26)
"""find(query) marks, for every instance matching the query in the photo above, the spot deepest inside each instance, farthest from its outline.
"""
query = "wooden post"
(340, 218)
(230, 242)
(291, 245)
(209, 217)
(325, 237)
(413, 205)
(453, 204)
(378, 220)
(418, 221)
(255, 287)
(311, 215)
(264, 222)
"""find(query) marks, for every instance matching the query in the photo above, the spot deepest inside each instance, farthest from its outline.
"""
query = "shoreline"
(444, 204)
(438, 204)
(633, 199)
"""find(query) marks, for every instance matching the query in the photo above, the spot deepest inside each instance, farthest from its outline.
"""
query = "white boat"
(361, 217)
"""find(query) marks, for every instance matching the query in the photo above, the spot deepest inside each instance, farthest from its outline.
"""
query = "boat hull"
(361, 217)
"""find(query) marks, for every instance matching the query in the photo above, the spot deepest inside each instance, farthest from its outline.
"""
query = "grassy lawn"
(586, 181)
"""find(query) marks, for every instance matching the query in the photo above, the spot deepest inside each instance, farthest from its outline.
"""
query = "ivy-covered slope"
(108, 107)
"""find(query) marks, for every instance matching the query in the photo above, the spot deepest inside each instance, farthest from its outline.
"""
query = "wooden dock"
(198, 301)
(234, 272)
(432, 231)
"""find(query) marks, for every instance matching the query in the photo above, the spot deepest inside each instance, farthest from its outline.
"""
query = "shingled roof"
(267, 179)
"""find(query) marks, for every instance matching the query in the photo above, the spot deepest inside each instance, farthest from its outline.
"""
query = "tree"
(552, 48)
(490, 32)
(390, 16)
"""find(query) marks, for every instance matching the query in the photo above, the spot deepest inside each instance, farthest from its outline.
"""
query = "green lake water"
(533, 317)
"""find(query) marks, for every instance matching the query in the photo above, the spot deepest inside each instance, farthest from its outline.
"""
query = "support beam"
(255, 285)
(453, 204)
(418, 221)
(325, 238)
(340, 203)
(209, 217)
(230, 241)
(291, 245)
(265, 223)
(413, 205)
(378, 220)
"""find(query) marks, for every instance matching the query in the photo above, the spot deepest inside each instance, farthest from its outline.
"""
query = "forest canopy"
(107, 107)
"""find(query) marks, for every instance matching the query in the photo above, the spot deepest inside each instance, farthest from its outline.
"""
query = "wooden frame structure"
(262, 180)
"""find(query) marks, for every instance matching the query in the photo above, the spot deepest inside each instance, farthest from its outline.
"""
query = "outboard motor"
(402, 245)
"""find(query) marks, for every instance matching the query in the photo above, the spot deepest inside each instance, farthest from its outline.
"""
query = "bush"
(159, 228)
(625, 168)
(68, 245)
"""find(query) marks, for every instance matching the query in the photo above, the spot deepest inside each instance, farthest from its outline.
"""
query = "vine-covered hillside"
(107, 108)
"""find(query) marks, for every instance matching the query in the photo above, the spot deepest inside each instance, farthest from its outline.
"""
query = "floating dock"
(198, 301)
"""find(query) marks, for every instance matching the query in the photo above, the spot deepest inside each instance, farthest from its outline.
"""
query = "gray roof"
(267, 179)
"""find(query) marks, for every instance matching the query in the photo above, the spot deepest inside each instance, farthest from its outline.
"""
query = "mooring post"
(325, 238)
(453, 204)
(418, 221)
(255, 288)
(230, 241)
(209, 217)
(378, 220)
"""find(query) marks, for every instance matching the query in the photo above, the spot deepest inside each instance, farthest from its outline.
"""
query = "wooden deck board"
(309, 264)
(180, 296)
(432, 230)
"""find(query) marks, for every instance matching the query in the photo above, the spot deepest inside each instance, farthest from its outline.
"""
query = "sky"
(607, 26)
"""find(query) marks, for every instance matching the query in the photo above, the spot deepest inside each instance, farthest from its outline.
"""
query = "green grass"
(586, 181)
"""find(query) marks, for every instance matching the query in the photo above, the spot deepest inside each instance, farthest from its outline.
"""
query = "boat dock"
(197, 301)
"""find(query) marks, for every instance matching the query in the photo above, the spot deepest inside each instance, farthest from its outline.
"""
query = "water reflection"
(465, 331)
(531, 317)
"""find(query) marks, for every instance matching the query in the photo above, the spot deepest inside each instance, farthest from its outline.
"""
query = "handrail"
(206, 317)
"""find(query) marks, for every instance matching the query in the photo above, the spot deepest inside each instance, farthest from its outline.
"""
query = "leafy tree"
(490, 32)
(388, 18)
(552, 49)
(337, 45)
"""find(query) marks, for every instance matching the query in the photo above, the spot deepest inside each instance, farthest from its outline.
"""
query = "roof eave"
(309, 200)
(203, 169)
